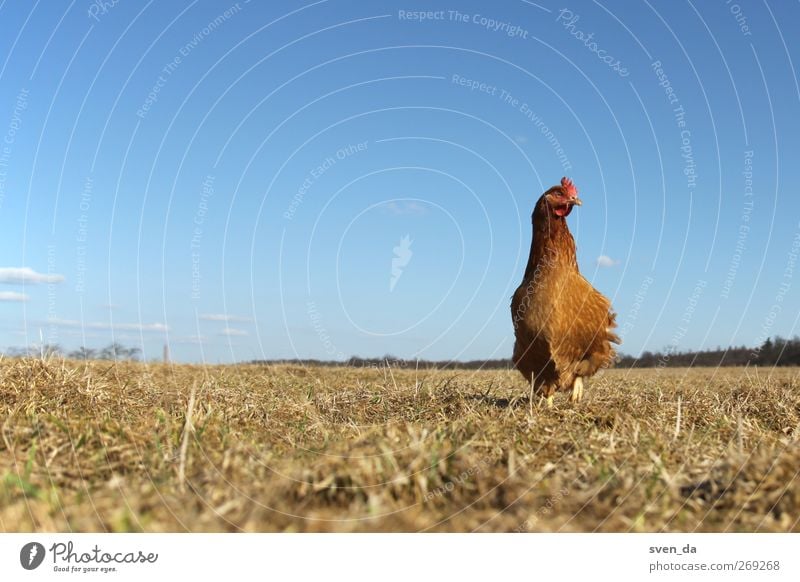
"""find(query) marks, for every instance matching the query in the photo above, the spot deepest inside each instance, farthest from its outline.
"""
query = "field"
(141, 447)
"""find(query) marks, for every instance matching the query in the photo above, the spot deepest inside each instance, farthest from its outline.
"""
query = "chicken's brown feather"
(563, 326)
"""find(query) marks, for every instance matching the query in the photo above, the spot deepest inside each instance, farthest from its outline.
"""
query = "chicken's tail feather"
(612, 323)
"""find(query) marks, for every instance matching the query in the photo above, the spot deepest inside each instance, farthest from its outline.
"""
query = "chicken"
(563, 325)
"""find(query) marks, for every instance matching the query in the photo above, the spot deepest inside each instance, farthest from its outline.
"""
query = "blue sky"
(325, 179)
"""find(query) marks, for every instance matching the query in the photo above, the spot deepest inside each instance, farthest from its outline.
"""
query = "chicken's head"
(560, 199)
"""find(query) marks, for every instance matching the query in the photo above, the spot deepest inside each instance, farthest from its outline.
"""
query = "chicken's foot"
(577, 390)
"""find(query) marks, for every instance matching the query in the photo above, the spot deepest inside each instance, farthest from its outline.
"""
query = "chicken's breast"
(581, 329)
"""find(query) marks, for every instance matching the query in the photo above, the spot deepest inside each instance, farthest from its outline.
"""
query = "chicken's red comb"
(568, 187)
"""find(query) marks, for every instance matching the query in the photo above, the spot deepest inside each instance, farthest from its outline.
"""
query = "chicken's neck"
(552, 245)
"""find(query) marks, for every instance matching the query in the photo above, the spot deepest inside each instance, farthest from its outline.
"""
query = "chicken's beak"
(576, 201)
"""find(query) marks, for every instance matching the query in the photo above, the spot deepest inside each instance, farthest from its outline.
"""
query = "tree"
(48, 350)
(18, 352)
(114, 351)
(83, 353)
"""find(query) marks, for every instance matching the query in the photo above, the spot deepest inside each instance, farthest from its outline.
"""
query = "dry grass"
(110, 447)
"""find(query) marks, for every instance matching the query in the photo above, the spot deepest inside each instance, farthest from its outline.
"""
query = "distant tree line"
(773, 352)
(392, 362)
(114, 351)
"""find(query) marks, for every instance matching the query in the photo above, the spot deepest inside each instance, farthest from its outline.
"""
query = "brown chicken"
(563, 325)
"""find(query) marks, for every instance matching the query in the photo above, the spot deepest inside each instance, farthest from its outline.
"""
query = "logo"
(402, 256)
(31, 555)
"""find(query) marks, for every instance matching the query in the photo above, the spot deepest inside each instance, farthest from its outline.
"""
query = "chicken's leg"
(548, 395)
(530, 400)
(577, 390)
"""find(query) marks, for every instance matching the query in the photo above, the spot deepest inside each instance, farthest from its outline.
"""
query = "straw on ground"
(132, 447)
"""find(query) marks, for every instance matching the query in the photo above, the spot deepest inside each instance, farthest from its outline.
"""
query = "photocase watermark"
(683, 327)
(523, 107)
(206, 192)
(421, 15)
(318, 171)
(739, 16)
(786, 284)
(402, 257)
(533, 283)
(82, 235)
(568, 20)
(545, 510)
(322, 332)
(539, 123)
(100, 8)
(458, 481)
(490, 24)
(633, 314)
(744, 226)
(474, 85)
(20, 105)
(184, 51)
(66, 558)
(31, 555)
(52, 280)
(680, 121)
(383, 363)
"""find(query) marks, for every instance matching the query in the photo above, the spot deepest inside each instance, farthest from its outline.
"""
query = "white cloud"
(606, 261)
(13, 296)
(230, 332)
(521, 139)
(222, 317)
(106, 325)
(18, 275)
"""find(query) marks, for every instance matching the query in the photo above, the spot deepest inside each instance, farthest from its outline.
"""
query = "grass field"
(135, 447)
